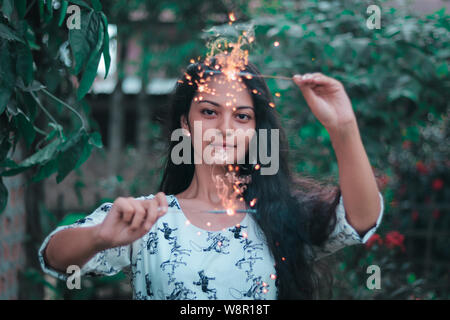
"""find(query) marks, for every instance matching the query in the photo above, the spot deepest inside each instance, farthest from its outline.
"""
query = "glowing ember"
(257, 167)
(265, 290)
(273, 277)
(276, 44)
(230, 212)
(253, 202)
(272, 104)
(232, 17)
(277, 94)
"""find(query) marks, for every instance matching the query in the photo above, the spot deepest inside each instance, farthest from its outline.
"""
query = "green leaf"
(71, 218)
(95, 139)
(90, 71)
(84, 155)
(411, 278)
(24, 63)
(106, 55)
(9, 34)
(49, 8)
(3, 196)
(96, 5)
(63, 12)
(7, 8)
(83, 40)
(40, 156)
(5, 145)
(25, 127)
(81, 3)
(5, 94)
(45, 170)
(71, 151)
(21, 6)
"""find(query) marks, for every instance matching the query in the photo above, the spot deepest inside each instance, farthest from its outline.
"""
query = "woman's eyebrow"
(218, 105)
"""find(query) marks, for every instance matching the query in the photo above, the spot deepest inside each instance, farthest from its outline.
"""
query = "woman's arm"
(356, 179)
(329, 102)
(74, 246)
(127, 220)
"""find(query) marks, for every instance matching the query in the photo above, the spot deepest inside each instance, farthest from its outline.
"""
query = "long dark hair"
(295, 213)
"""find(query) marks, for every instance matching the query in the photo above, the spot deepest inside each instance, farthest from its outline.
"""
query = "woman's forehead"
(222, 90)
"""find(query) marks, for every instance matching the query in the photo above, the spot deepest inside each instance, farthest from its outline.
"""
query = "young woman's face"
(222, 117)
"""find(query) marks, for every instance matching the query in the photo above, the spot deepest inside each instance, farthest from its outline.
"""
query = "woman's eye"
(243, 116)
(208, 112)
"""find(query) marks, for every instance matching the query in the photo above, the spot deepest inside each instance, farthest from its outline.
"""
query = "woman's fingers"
(152, 215)
(162, 203)
(315, 79)
(140, 214)
(125, 209)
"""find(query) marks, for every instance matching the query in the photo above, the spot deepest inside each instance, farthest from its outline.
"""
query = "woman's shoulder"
(172, 201)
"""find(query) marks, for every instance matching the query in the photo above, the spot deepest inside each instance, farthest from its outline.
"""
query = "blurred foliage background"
(397, 78)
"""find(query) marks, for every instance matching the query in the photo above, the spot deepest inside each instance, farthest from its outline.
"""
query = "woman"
(178, 250)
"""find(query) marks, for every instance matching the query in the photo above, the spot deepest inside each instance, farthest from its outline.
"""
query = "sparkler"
(249, 75)
(228, 211)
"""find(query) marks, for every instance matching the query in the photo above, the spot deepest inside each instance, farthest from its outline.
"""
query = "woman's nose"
(226, 126)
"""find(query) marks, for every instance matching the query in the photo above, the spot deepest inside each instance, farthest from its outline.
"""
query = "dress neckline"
(243, 221)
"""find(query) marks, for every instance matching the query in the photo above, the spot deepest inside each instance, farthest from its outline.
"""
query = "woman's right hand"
(129, 219)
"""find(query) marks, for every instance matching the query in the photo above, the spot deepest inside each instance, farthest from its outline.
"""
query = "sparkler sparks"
(229, 59)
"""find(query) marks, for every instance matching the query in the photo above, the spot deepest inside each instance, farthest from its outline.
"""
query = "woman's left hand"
(327, 99)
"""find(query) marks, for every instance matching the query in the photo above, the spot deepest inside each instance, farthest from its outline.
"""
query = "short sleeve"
(107, 262)
(344, 234)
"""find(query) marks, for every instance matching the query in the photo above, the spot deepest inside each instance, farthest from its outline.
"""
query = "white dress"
(177, 260)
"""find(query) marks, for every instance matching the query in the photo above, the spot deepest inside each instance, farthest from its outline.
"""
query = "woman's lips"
(223, 145)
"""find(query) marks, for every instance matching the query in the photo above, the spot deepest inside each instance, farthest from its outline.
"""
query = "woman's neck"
(205, 186)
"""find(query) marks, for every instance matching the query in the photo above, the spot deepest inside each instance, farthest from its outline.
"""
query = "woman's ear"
(184, 124)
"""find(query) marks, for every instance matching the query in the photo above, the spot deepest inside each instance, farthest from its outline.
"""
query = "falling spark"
(253, 202)
(276, 44)
(277, 94)
(272, 104)
(273, 277)
(257, 167)
(232, 17)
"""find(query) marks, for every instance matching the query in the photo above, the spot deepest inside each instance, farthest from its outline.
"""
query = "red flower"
(395, 239)
(436, 214)
(384, 180)
(437, 184)
(421, 167)
(406, 144)
(374, 239)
